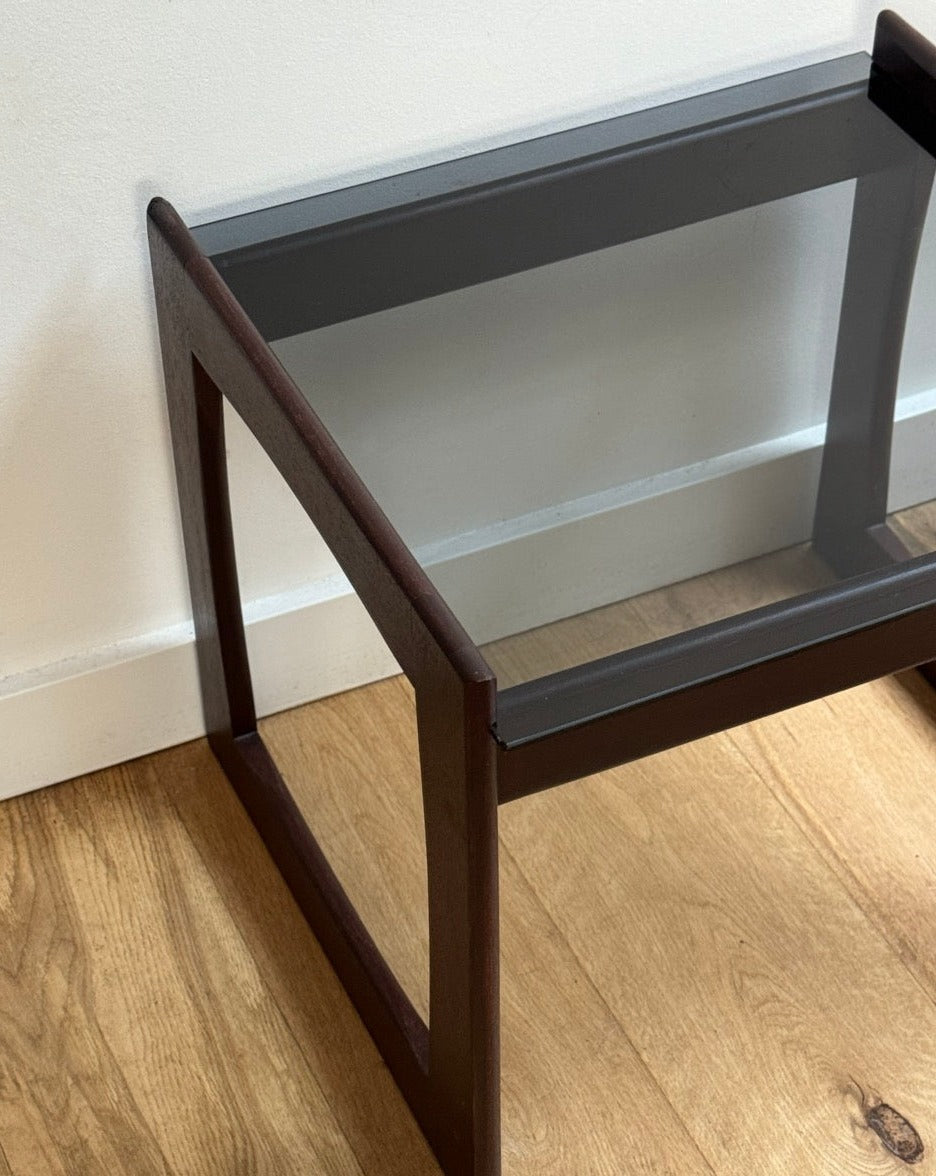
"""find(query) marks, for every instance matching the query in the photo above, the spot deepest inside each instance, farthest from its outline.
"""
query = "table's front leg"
(457, 759)
(448, 1071)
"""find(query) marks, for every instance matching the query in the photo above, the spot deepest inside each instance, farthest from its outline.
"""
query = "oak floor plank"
(761, 998)
(64, 1105)
(862, 789)
(138, 1035)
(576, 1095)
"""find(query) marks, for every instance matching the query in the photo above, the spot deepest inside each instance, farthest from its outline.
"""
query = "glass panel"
(625, 445)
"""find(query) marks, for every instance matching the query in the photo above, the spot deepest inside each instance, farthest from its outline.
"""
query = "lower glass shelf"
(678, 608)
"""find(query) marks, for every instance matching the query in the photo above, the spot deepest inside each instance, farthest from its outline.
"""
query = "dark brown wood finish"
(478, 749)
(449, 1072)
(457, 761)
(709, 706)
(903, 78)
(721, 651)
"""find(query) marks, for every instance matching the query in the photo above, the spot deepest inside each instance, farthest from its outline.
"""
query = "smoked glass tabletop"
(614, 448)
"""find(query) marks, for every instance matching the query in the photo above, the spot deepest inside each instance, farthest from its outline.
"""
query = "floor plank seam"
(644, 1065)
(850, 884)
(64, 901)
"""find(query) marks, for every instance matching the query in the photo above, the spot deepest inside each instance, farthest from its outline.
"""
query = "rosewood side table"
(226, 290)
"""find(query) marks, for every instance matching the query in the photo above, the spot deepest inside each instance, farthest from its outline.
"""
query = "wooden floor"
(718, 960)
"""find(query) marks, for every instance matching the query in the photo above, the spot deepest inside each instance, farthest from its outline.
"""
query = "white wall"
(223, 108)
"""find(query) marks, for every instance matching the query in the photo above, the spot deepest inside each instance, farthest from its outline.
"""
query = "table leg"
(889, 209)
(460, 808)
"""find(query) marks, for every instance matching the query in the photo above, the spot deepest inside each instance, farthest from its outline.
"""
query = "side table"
(225, 290)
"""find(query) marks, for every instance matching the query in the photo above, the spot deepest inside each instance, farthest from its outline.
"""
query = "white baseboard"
(142, 695)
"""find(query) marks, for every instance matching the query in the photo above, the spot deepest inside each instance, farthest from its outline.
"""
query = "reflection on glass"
(607, 450)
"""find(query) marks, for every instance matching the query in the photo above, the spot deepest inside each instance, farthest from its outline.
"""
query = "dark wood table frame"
(225, 290)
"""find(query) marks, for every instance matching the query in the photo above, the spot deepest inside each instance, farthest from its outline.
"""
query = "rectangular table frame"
(225, 290)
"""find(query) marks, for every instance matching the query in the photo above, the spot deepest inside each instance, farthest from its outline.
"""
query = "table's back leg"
(460, 807)
(887, 221)
(197, 424)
